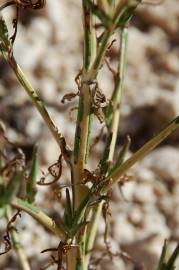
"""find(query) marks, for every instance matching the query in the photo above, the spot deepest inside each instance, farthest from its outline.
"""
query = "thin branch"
(123, 13)
(35, 99)
(23, 261)
(113, 130)
(114, 177)
(91, 232)
(41, 217)
(108, 154)
(117, 94)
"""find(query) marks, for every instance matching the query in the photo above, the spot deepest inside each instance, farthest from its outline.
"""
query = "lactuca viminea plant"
(87, 195)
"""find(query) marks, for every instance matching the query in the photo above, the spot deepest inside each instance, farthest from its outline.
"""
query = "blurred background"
(49, 48)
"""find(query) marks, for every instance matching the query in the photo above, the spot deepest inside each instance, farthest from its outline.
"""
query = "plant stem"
(81, 144)
(90, 71)
(111, 141)
(91, 233)
(83, 127)
(23, 261)
(72, 255)
(117, 94)
(124, 9)
(114, 177)
(35, 99)
(41, 217)
(108, 154)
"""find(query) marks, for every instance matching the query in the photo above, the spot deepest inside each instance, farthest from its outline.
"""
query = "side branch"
(41, 217)
(35, 99)
(114, 177)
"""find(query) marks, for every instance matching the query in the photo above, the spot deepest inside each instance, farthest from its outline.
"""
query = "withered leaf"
(69, 97)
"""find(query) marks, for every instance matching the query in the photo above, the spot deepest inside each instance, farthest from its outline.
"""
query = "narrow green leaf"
(100, 13)
(31, 183)
(171, 262)
(127, 12)
(68, 214)
(108, 113)
(13, 186)
(162, 256)
(5, 43)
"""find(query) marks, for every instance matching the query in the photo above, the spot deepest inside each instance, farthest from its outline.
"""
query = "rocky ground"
(49, 49)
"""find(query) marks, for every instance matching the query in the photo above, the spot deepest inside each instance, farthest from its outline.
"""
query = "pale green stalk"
(91, 232)
(35, 99)
(41, 217)
(117, 94)
(81, 145)
(22, 258)
(108, 154)
(122, 14)
(89, 74)
(114, 177)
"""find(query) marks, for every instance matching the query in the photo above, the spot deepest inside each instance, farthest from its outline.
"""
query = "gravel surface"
(48, 47)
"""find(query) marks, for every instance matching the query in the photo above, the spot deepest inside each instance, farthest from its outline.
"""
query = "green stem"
(41, 217)
(84, 112)
(108, 154)
(114, 177)
(91, 232)
(117, 94)
(23, 261)
(123, 13)
(111, 141)
(35, 99)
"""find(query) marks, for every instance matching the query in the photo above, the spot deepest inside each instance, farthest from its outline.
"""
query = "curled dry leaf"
(21, 4)
(78, 80)
(6, 237)
(69, 97)
(99, 101)
(55, 171)
(93, 176)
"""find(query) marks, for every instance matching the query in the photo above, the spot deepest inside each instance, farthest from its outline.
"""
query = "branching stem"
(114, 177)
(41, 217)
(112, 136)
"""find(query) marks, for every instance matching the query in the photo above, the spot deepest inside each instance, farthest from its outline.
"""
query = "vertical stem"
(72, 257)
(110, 146)
(23, 261)
(116, 103)
(81, 145)
(84, 111)
(117, 94)
(91, 233)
